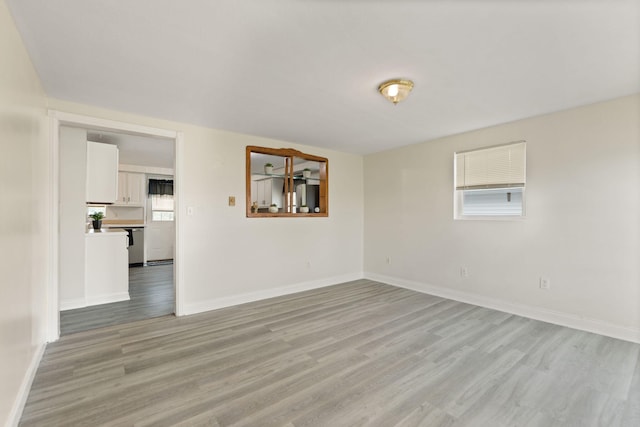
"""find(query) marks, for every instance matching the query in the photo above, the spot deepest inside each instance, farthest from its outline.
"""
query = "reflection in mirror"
(306, 184)
(286, 182)
(266, 164)
(267, 183)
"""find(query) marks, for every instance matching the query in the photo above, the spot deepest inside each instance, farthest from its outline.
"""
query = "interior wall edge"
(569, 320)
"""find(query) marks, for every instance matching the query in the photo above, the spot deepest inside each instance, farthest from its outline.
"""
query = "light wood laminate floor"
(354, 354)
(152, 295)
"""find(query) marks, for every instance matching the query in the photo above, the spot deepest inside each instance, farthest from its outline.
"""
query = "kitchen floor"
(152, 295)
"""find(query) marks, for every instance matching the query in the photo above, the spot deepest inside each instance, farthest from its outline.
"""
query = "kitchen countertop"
(122, 223)
(106, 231)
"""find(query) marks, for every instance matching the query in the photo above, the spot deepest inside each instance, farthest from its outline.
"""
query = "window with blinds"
(162, 207)
(161, 195)
(490, 182)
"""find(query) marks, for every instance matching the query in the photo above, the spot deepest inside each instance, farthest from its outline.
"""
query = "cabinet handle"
(128, 199)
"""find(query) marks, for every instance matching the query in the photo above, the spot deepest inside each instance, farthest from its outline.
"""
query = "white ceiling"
(306, 71)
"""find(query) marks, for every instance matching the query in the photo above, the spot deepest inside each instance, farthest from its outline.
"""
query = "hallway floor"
(152, 295)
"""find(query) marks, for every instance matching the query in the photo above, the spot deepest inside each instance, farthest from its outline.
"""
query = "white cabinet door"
(131, 189)
(135, 186)
(263, 201)
(102, 172)
(254, 191)
(275, 191)
(122, 189)
(267, 191)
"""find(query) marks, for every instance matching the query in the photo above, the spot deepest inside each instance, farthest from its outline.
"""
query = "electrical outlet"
(232, 200)
(464, 272)
(545, 283)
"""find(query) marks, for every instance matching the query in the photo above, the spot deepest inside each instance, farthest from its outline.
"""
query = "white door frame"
(58, 118)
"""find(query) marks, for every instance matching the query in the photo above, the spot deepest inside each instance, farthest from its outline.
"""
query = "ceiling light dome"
(395, 90)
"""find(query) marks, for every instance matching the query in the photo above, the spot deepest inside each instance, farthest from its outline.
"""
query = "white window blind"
(494, 167)
(161, 202)
(162, 207)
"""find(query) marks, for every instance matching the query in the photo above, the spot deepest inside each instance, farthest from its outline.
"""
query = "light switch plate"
(232, 200)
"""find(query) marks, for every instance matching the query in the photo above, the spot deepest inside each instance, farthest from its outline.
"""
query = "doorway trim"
(59, 118)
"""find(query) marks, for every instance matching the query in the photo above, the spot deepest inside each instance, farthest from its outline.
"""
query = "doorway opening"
(152, 284)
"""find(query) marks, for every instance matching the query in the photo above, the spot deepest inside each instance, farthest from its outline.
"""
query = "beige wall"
(581, 229)
(229, 258)
(23, 216)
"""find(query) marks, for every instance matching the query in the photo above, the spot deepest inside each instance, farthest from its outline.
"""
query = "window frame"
(458, 194)
(288, 175)
(150, 198)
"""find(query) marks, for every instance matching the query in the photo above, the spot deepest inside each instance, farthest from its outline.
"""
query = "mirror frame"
(289, 154)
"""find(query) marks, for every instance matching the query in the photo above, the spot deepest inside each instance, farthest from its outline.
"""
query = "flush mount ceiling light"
(395, 90)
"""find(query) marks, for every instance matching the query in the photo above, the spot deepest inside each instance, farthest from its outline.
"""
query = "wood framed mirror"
(283, 182)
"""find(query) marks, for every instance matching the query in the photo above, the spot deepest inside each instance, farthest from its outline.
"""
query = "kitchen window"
(162, 203)
(162, 207)
(490, 182)
(95, 209)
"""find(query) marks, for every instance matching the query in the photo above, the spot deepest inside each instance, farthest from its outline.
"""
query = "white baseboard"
(223, 302)
(23, 393)
(108, 298)
(72, 304)
(556, 317)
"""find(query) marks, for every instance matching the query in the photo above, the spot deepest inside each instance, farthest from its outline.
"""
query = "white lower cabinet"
(106, 267)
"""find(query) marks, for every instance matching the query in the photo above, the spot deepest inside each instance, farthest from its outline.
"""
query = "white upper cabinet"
(268, 191)
(102, 172)
(131, 189)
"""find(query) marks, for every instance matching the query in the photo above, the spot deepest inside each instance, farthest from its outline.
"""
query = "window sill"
(490, 218)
